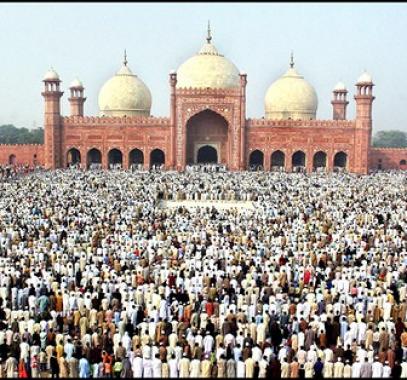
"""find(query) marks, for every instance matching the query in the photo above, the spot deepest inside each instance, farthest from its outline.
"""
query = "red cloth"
(307, 277)
(209, 307)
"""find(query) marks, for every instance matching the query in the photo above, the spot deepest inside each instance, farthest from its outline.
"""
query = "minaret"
(52, 120)
(339, 102)
(77, 99)
(243, 137)
(364, 100)
(173, 118)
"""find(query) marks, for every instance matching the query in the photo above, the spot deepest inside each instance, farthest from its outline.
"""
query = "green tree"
(390, 139)
(9, 134)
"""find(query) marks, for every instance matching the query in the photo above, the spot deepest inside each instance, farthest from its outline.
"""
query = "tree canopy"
(9, 134)
(390, 139)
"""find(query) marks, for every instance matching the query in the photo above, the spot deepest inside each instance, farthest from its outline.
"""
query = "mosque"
(207, 123)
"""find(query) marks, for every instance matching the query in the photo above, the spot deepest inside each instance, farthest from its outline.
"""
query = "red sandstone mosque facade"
(207, 123)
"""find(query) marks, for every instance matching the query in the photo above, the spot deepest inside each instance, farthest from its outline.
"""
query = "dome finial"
(292, 59)
(209, 37)
(125, 58)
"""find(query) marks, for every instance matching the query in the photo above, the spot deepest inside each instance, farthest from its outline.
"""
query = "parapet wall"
(388, 158)
(300, 123)
(108, 121)
(22, 154)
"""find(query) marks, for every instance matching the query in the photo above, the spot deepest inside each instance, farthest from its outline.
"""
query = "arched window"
(319, 160)
(94, 158)
(136, 157)
(73, 157)
(157, 157)
(115, 158)
(298, 159)
(12, 159)
(403, 162)
(340, 160)
(277, 160)
(256, 160)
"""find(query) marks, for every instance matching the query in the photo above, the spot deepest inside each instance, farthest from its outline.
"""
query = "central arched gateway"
(207, 155)
(207, 134)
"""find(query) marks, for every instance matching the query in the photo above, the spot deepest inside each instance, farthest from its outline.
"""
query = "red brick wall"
(309, 136)
(124, 134)
(24, 154)
(390, 158)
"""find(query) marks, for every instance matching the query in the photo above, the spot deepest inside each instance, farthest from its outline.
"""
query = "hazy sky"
(331, 42)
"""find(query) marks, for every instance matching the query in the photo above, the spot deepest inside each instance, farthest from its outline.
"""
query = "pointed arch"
(115, 157)
(73, 157)
(157, 157)
(340, 160)
(207, 154)
(256, 160)
(319, 160)
(277, 159)
(12, 159)
(207, 127)
(94, 158)
(298, 159)
(136, 157)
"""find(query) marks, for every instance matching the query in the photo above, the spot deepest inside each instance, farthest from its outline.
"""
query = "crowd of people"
(98, 280)
(14, 171)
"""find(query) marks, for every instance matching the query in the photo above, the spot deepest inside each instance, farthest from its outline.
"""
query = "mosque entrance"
(207, 155)
(207, 138)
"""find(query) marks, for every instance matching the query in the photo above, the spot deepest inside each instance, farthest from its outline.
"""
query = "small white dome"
(340, 86)
(365, 78)
(291, 97)
(124, 94)
(51, 74)
(76, 83)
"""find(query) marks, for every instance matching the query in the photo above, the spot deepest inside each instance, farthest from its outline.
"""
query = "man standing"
(156, 363)
(173, 365)
(338, 368)
(206, 367)
(356, 367)
(377, 368)
(84, 368)
(366, 369)
(54, 366)
(231, 368)
(184, 364)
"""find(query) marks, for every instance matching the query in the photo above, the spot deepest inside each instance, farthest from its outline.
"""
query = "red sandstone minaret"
(243, 146)
(52, 120)
(364, 100)
(173, 110)
(339, 102)
(77, 99)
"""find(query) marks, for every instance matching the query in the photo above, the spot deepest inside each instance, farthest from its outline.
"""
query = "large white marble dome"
(124, 94)
(208, 69)
(291, 97)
